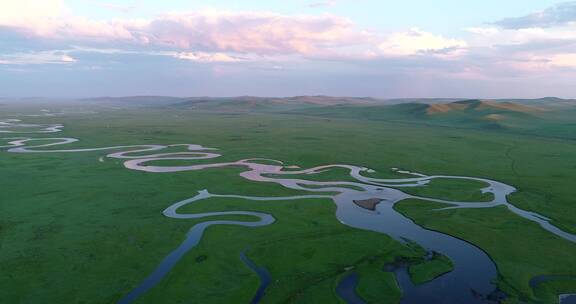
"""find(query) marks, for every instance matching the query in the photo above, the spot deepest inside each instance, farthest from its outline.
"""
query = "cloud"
(13, 11)
(32, 58)
(207, 31)
(223, 36)
(491, 36)
(201, 57)
(564, 60)
(484, 31)
(229, 43)
(259, 33)
(558, 15)
(207, 57)
(67, 59)
(417, 41)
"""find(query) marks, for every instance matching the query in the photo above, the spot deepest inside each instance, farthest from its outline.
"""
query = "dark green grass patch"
(430, 269)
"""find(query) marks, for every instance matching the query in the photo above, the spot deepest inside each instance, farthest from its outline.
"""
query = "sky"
(378, 48)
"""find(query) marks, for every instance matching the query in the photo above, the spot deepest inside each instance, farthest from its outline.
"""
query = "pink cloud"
(258, 33)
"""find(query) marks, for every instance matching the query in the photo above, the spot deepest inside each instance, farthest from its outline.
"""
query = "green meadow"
(75, 228)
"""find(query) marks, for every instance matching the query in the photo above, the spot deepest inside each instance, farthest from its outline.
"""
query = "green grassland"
(77, 230)
(546, 291)
(452, 189)
(428, 270)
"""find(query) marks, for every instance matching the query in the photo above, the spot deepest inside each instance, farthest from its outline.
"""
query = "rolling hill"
(530, 118)
(271, 104)
(548, 116)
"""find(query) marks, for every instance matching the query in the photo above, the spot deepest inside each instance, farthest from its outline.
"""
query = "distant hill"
(481, 106)
(470, 108)
(547, 116)
(552, 103)
(269, 104)
(246, 102)
(234, 104)
(331, 100)
(133, 100)
(542, 117)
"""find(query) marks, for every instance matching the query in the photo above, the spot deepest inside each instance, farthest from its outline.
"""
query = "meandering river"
(471, 280)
